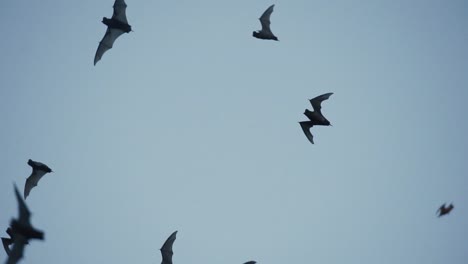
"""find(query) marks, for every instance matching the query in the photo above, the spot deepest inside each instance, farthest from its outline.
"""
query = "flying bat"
(444, 210)
(38, 171)
(21, 231)
(316, 117)
(166, 249)
(250, 262)
(116, 26)
(265, 32)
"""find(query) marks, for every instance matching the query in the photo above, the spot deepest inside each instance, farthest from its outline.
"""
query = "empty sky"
(189, 123)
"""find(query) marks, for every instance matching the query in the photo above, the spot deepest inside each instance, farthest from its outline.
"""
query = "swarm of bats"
(21, 231)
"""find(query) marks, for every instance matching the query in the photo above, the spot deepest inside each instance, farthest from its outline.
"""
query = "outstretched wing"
(166, 249)
(439, 211)
(317, 101)
(32, 181)
(265, 19)
(6, 244)
(107, 42)
(16, 252)
(119, 11)
(306, 125)
(24, 213)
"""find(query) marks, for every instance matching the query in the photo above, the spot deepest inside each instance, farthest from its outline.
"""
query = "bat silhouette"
(116, 26)
(265, 32)
(444, 210)
(38, 171)
(21, 231)
(250, 262)
(316, 117)
(166, 249)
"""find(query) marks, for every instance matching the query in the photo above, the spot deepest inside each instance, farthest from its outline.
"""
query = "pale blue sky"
(189, 123)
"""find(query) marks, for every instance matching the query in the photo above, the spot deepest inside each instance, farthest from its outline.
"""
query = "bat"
(38, 171)
(444, 210)
(265, 32)
(21, 231)
(250, 262)
(166, 249)
(116, 26)
(316, 117)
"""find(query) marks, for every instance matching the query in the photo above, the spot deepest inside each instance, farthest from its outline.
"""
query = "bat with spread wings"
(444, 210)
(316, 117)
(265, 32)
(38, 171)
(21, 231)
(166, 249)
(116, 26)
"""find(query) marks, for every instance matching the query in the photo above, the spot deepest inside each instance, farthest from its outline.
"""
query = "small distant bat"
(21, 231)
(38, 170)
(316, 117)
(444, 210)
(265, 32)
(166, 249)
(116, 26)
(250, 262)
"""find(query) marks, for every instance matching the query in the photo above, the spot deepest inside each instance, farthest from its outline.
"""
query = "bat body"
(38, 171)
(21, 231)
(166, 249)
(265, 32)
(316, 117)
(444, 210)
(116, 26)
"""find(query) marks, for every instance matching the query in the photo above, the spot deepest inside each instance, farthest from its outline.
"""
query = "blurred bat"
(116, 26)
(444, 210)
(265, 32)
(38, 170)
(166, 249)
(316, 117)
(21, 231)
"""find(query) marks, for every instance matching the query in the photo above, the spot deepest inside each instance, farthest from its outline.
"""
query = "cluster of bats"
(21, 229)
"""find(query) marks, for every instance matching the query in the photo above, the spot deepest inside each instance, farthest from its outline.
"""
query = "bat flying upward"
(265, 32)
(116, 26)
(166, 249)
(316, 117)
(21, 231)
(444, 210)
(38, 170)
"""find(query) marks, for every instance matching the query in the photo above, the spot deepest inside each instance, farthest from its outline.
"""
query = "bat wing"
(6, 244)
(107, 42)
(317, 101)
(119, 11)
(265, 19)
(24, 213)
(32, 181)
(306, 125)
(166, 249)
(16, 252)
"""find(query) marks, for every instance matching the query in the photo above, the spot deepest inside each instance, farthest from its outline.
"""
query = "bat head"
(274, 38)
(255, 34)
(106, 21)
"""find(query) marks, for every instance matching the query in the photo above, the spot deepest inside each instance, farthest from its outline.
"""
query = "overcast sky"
(191, 124)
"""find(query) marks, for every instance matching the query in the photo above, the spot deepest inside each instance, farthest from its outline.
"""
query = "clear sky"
(191, 124)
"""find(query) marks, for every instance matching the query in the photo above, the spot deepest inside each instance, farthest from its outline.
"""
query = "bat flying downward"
(166, 249)
(116, 26)
(316, 117)
(38, 171)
